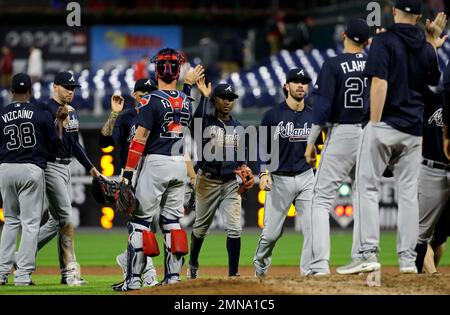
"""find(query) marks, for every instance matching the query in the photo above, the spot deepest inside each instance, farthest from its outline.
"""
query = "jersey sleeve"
(378, 60)
(147, 112)
(434, 74)
(326, 82)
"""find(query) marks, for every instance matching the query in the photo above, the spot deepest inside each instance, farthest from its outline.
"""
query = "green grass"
(100, 249)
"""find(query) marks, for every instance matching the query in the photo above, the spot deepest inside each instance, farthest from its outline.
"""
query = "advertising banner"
(129, 43)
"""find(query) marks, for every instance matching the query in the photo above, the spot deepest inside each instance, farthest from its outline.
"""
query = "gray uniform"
(25, 138)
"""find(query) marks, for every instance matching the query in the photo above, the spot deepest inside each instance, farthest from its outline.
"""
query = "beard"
(297, 98)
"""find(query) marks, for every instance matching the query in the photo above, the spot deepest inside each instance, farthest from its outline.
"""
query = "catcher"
(217, 185)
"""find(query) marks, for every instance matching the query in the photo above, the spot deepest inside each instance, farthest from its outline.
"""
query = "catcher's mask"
(167, 64)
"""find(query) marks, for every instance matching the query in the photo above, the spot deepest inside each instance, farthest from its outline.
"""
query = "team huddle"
(381, 116)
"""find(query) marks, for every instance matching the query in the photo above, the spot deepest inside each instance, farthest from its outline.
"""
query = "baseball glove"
(62, 112)
(126, 201)
(246, 175)
(189, 199)
(104, 190)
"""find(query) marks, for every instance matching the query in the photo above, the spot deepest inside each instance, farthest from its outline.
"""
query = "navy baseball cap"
(21, 83)
(144, 85)
(297, 74)
(358, 30)
(409, 6)
(66, 78)
(224, 89)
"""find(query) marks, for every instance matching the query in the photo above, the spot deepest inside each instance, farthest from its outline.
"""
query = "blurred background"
(250, 44)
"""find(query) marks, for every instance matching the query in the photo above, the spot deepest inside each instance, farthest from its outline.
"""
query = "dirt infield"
(285, 280)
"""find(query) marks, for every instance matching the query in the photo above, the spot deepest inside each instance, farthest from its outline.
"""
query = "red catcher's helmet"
(167, 64)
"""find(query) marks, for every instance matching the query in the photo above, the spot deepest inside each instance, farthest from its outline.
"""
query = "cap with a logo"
(224, 89)
(21, 83)
(409, 6)
(66, 78)
(144, 85)
(297, 74)
(358, 30)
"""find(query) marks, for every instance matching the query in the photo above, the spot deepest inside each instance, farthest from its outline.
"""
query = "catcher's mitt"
(126, 200)
(246, 175)
(104, 190)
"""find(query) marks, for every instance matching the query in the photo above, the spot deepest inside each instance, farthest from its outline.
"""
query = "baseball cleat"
(192, 272)
(358, 266)
(411, 269)
(318, 274)
(3, 280)
(24, 284)
(149, 281)
(73, 281)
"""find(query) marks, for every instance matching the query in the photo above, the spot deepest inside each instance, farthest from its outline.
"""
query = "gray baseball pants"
(22, 187)
(338, 159)
(434, 191)
(285, 190)
(212, 195)
(383, 145)
(58, 192)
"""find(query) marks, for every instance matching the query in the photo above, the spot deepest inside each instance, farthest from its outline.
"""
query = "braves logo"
(437, 118)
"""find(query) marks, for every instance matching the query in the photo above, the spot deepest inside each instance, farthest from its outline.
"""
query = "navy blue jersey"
(432, 147)
(70, 145)
(165, 114)
(342, 89)
(403, 58)
(291, 133)
(124, 130)
(27, 134)
(223, 133)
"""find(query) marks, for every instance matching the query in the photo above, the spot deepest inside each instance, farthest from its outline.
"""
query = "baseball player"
(291, 181)
(342, 97)
(400, 64)
(26, 132)
(118, 131)
(216, 186)
(57, 178)
(434, 185)
(160, 184)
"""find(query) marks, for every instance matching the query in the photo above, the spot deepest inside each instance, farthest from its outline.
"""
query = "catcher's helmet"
(167, 64)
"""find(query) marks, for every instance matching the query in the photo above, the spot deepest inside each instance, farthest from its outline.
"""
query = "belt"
(216, 176)
(62, 161)
(435, 164)
(347, 123)
(291, 174)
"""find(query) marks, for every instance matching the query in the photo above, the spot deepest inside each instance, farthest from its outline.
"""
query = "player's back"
(26, 134)
(166, 114)
(342, 81)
